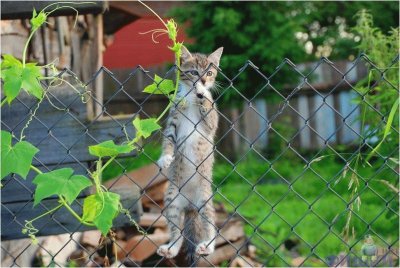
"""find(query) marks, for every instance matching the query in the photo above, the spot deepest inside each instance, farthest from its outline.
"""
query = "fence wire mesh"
(290, 168)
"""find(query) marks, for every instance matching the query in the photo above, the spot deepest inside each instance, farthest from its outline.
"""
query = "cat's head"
(198, 70)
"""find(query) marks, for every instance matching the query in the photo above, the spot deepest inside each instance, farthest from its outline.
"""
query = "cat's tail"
(191, 233)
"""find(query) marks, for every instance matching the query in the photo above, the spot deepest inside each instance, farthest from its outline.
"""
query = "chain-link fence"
(291, 183)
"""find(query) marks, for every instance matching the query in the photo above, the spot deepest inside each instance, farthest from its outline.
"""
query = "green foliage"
(38, 19)
(171, 28)
(247, 31)
(59, 182)
(382, 49)
(387, 128)
(109, 148)
(161, 86)
(17, 77)
(146, 156)
(101, 209)
(309, 205)
(268, 32)
(145, 127)
(177, 47)
(16, 159)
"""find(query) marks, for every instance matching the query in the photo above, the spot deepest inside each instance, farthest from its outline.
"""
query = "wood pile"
(133, 248)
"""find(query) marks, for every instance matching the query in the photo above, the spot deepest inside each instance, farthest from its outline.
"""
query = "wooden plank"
(305, 134)
(153, 220)
(23, 9)
(350, 112)
(97, 62)
(145, 177)
(227, 252)
(65, 99)
(232, 231)
(143, 246)
(13, 216)
(260, 105)
(67, 143)
(324, 120)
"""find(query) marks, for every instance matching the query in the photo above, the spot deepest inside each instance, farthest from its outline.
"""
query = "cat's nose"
(203, 81)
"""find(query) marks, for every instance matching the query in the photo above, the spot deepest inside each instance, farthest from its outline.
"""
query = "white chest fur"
(189, 128)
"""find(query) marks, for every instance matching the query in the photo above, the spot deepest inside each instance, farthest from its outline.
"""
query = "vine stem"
(26, 47)
(36, 169)
(46, 213)
(177, 62)
(31, 117)
(65, 204)
(178, 74)
(3, 102)
(102, 167)
(149, 8)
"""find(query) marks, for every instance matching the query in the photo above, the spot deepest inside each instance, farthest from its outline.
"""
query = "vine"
(103, 206)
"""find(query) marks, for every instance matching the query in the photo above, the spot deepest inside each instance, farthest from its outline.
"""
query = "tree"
(268, 32)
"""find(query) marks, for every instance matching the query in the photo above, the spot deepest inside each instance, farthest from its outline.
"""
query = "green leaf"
(109, 148)
(9, 61)
(12, 89)
(160, 86)
(16, 159)
(30, 75)
(16, 77)
(145, 127)
(101, 209)
(60, 182)
(387, 129)
(171, 26)
(177, 47)
(38, 19)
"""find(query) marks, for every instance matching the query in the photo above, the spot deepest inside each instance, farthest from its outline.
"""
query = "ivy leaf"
(109, 148)
(15, 159)
(160, 86)
(59, 182)
(101, 209)
(145, 127)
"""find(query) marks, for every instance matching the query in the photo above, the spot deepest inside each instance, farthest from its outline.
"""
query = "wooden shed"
(70, 118)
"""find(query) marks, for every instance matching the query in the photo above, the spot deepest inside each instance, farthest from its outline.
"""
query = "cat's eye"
(209, 73)
(194, 72)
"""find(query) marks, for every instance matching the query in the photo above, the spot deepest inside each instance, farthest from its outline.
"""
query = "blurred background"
(305, 92)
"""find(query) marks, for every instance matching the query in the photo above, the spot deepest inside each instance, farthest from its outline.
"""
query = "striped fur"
(188, 158)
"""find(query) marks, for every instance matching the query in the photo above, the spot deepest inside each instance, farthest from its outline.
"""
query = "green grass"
(286, 200)
(303, 206)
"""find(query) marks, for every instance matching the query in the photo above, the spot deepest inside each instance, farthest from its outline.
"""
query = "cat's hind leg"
(173, 212)
(207, 217)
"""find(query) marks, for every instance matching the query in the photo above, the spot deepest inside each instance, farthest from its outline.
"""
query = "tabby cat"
(188, 156)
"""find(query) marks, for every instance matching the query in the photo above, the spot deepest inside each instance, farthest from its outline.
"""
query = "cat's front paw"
(165, 161)
(205, 248)
(168, 251)
(204, 99)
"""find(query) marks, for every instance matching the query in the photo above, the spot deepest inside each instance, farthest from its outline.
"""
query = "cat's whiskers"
(217, 87)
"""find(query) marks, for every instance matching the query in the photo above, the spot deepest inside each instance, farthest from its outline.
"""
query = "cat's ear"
(185, 54)
(216, 56)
